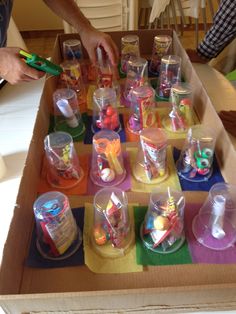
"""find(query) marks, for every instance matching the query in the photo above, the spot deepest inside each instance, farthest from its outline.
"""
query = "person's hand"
(93, 38)
(14, 70)
(195, 57)
(228, 119)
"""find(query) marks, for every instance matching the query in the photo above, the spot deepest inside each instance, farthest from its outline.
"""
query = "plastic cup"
(143, 109)
(136, 76)
(181, 116)
(107, 167)
(196, 158)
(58, 236)
(72, 49)
(163, 228)
(129, 49)
(66, 112)
(105, 113)
(170, 74)
(112, 234)
(215, 225)
(151, 163)
(161, 47)
(63, 169)
(71, 77)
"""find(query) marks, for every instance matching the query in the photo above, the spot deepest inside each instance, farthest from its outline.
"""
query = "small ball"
(107, 175)
(161, 223)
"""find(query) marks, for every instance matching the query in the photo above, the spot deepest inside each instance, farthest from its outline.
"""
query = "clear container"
(112, 234)
(58, 235)
(151, 164)
(215, 225)
(137, 75)
(71, 77)
(129, 48)
(196, 158)
(161, 47)
(163, 228)
(105, 113)
(106, 76)
(143, 109)
(170, 74)
(72, 49)
(63, 169)
(181, 116)
(67, 116)
(107, 167)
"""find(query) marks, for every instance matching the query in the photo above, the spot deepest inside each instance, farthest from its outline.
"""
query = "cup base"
(167, 125)
(187, 175)
(148, 243)
(109, 251)
(98, 181)
(140, 175)
(46, 253)
(203, 233)
(74, 132)
(61, 183)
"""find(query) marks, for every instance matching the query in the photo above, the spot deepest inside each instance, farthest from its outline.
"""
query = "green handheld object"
(41, 64)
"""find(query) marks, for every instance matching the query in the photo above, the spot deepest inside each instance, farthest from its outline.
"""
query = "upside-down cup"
(161, 47)
(143, 109)
(215, 225)
(137, 75)
(195, 163)
(111, 234)
(63, 168)
(180, 119)
(163, 228)
(105, 113)
(129, 49)
(151, 163)
(72, 49)
(170, 74)
(107, 167)
(58, 236)
(67, 116)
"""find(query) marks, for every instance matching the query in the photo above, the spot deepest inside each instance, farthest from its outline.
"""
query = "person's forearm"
(69, 11)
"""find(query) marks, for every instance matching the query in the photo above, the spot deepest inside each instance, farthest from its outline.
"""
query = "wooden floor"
(42, 42)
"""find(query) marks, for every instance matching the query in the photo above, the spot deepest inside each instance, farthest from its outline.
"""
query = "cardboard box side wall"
(18, 284)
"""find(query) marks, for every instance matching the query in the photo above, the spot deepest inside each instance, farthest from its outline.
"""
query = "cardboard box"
(162, 289)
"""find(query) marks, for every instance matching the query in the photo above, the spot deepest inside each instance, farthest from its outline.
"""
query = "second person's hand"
(14, 70)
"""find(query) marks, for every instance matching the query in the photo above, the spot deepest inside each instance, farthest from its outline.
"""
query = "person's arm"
(91, 38)
(221, 33)
(15, 70)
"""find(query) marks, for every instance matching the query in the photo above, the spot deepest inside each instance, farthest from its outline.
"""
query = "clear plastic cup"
(181, 116)
(215, 225)
(107, 167)
(67, 116)
(129, 49)
(72, 49)
(58, 235)
(163, 228)
(137, 75)
(63, 169)
(161, 47)
(196, 158)
(105, 113)
(71, 77)
(151, 163)
(143, 109)
(112, 234)
(170, 74)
